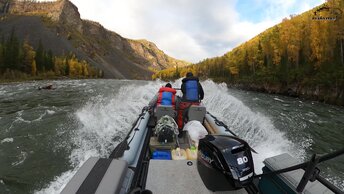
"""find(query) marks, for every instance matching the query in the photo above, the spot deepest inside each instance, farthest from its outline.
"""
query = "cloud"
(189, 29)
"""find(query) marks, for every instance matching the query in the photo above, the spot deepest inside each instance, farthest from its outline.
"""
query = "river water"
(45, 135)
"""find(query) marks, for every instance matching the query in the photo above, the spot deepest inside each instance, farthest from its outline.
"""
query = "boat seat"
(99, 175)
(290, 179)
(162, 110)
(196, 113)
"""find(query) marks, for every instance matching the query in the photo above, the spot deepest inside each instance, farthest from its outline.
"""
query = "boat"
(145, 162)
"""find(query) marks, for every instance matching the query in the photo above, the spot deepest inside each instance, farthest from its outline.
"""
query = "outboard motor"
(224, 163)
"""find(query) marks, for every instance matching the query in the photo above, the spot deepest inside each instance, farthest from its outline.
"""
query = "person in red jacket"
(165, 96)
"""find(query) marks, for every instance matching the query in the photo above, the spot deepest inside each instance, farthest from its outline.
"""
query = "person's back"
(192, 95)
(166, 96)
(191, 88)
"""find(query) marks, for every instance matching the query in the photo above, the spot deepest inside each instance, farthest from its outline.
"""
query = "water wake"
(21, 158)
(104, 121)
(6, 140)
(257, 129)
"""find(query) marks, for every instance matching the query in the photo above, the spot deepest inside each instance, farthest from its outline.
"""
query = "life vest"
(166, 96)
(191, 87)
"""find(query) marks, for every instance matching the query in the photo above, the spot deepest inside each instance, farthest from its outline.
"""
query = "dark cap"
(168, 85)
(189, 74)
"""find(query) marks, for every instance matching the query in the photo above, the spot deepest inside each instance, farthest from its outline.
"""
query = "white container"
(191, 153)
(178, 154)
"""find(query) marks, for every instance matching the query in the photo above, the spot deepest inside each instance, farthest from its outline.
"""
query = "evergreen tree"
(2, 53)
(12, 52)
(49, 61)
(40, 56)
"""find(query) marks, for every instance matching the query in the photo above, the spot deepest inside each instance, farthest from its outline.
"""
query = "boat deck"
(177, 177)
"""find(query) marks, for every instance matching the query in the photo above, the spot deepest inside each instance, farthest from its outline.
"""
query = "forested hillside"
(58, 27)
(19, 60)
(302, 56)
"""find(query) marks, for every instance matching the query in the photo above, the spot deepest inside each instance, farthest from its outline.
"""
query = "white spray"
(101, 121)
(255, 128)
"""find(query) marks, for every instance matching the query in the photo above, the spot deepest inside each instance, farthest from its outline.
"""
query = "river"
(45, 135)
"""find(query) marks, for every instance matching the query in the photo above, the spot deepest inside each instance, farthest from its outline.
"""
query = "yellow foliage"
(286, 53)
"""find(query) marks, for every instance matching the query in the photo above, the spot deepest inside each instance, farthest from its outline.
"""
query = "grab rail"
(311, 172)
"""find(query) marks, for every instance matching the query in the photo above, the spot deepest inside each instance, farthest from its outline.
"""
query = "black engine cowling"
(224, 163)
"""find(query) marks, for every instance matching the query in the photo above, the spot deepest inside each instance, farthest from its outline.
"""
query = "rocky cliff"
(58, 26)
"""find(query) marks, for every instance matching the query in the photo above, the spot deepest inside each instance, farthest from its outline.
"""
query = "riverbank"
(334, 96)
(37, 78)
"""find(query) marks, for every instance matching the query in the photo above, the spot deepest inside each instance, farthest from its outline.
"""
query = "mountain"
(302, 56)
(58, 27)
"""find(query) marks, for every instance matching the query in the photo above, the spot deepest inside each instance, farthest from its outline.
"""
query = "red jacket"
(166, 96)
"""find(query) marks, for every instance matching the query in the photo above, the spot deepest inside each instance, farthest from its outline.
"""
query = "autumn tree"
(28, 64)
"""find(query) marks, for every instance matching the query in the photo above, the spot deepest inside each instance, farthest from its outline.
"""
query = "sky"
(191, 30)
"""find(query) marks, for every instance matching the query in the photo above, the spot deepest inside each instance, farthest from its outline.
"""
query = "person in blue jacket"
(192, 89)
(192, 95)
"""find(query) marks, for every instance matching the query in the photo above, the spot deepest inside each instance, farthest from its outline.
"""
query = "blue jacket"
(192, 90)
